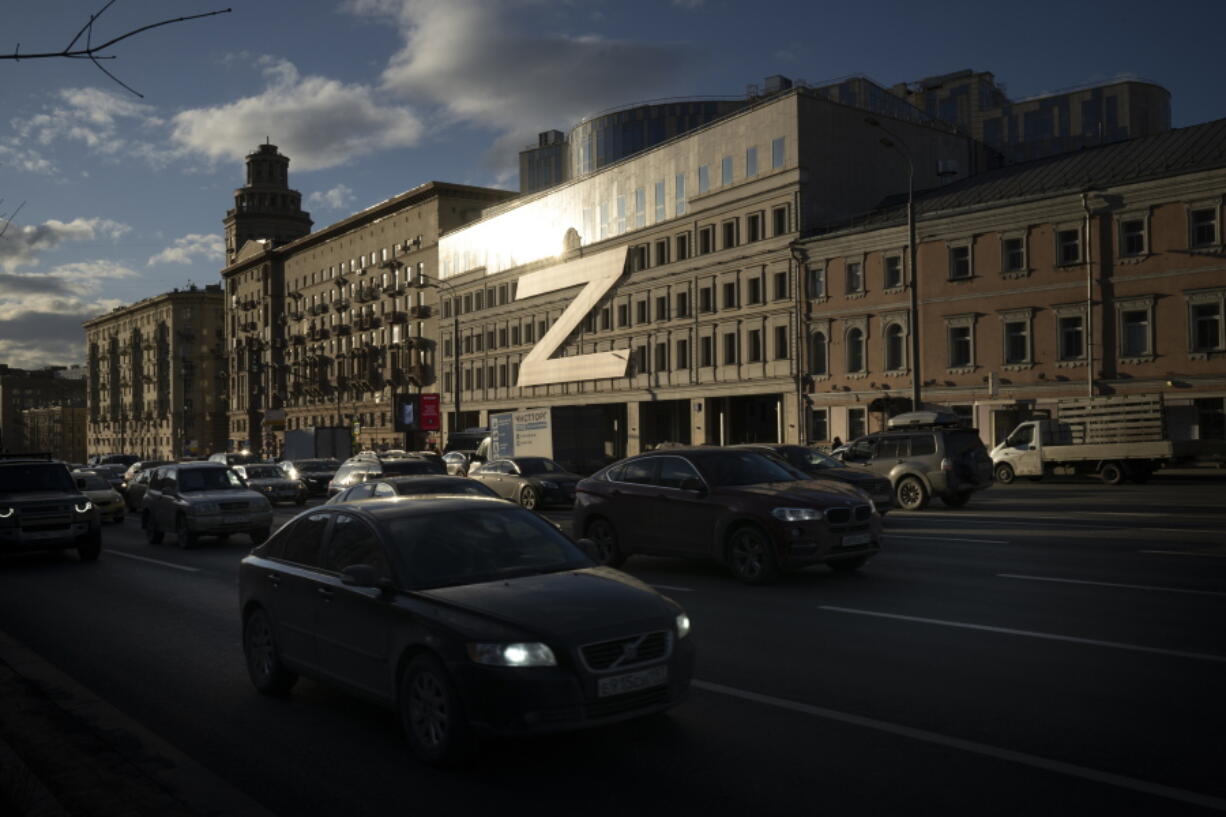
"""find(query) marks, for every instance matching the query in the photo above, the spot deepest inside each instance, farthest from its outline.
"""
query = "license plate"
(854, 539)
(631, 681)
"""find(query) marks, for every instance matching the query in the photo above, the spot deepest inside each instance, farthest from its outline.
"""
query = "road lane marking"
(1119, 645)
(974, 747)
(1111, 584)
(671, 587)
(1185, 553)
(153, 561)
(948, 539)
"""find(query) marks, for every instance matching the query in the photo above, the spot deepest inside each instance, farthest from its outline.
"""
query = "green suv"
(41, 508)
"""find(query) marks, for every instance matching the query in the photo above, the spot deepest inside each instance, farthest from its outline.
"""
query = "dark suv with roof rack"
(41, 508)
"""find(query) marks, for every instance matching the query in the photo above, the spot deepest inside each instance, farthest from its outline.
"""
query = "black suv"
(925, 454)
(41, 508)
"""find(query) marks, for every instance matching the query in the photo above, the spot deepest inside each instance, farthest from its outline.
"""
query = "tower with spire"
(265, 207)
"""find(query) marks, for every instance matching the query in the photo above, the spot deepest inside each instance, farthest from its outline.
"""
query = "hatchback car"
(925, 454)
(740, 508)
(816, 465)
(533, 482)
(202, 499)
(413, 485)
(470, 616)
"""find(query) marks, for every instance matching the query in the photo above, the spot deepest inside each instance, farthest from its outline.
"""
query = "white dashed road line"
(947, 539)
(987, 750)
(1111, 584)
(153, 561)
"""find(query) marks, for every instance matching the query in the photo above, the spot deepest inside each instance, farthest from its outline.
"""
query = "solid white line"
(1031, 634)
(987, 750)
(153, 561)
(948, 539)
(670, 587)
(1111, 584)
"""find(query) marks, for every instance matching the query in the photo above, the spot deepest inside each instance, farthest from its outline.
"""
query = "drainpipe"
(1085, 205)
(799, 344)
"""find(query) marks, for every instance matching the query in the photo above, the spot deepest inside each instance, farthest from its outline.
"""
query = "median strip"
(987, 750)
(1200, 656)
(1111, 584)
(153, 561)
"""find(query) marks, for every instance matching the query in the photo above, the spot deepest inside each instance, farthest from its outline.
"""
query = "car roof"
(396, 479)
(199, 466)
(384, 508)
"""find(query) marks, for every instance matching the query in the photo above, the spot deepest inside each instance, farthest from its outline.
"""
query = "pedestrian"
(836, 442)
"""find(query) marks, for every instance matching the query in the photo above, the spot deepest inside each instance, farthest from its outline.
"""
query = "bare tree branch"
(91, 51)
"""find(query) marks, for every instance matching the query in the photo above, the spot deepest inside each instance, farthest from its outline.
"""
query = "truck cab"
(1020, 453)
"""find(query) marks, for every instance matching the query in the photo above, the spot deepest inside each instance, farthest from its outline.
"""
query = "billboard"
(416, 412)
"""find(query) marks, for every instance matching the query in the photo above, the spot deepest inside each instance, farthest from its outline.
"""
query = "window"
(480, 377)
(960, 339)
(730, 348)
(683, 304)
(706, 299)
(818, 363)
(679, 199)
(515, 333)
(753, 227)
(777, 153)
(661, 307)
(1207, 327)
(659, 201)
(1134, 333)
(1210, 418)
(683, 354)
(683, 246)
(856, 422)
(640, 312)
(303, 546)
(855, 350)
(1017, 341)
(1132, 237)
(893, 272)
(704, 179)
(781, 286)
(779, 218)
(754, 290)
(731, 301)
(623, 315)
(817, 282)
(1068, 246)
(894, 356)
(706, 355)
(959, 262)
(755, 346)
(1071, 340)
(640, 208)
(730, 233)
(638, 257)
(751, 162)
(661, 252)
(855, 277)
(529, 332)
(819, 425)
(725, 171)
(781, 343)
(1013, 254)
(661, 357)
(639, 361)
(353, 543)
(1202, 224)
(706, 239)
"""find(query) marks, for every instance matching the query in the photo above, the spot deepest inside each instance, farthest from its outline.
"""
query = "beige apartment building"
(155, 382)
(59, 430)
(324, 329)
(1094, 273)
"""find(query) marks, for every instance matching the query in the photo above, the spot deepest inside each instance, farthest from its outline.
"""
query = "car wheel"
(89, 551)
(848, 565)
(268, 674)
(152, 535)
(955, 500)
(529, 497)
(604, 536)
(1112, 473)
(186, 538)
(259, 535)
(751, 556)
(911, 494)
(431, 714)
(1004, 473)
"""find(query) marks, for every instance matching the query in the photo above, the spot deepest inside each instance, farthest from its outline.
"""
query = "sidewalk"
(63, 751)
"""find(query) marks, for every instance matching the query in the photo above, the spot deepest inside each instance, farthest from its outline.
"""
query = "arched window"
(894, 348)
(855, 350)
(817, 354)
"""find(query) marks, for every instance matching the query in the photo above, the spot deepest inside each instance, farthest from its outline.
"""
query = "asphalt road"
(1052, 648)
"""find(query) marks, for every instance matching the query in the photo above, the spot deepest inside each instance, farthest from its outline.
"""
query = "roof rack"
(919, 419)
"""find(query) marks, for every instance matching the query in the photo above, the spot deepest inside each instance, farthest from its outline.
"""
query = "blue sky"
(122, 196)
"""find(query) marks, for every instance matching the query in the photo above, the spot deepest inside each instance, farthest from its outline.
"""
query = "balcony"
(296, 316)
(342, 329)
(367, 294)
(341, 306)
(396, 317)
(249, 326)
(394, 290)
(320, 334)
(419, 311)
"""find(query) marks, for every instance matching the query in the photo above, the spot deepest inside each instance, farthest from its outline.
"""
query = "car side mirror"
(589, 549)
(365, 576)
(694, 484)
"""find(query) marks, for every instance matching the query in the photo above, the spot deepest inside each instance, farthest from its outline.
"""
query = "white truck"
(1117, 438)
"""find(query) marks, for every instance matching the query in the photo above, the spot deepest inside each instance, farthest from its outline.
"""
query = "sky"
(107, 197)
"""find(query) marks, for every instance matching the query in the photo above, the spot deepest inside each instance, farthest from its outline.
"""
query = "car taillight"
(947, 464)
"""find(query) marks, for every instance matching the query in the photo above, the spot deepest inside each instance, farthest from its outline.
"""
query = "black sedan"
(413, 485)
(816, 465)
(470, 616)
(315, 474)
(533, 482)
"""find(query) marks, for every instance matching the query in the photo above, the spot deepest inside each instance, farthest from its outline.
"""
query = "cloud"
(41, 315)
(338, 198)
(90, 116)
(319, 122)
(20, 246)
(191, 246)
(488, 63)
(25, 159)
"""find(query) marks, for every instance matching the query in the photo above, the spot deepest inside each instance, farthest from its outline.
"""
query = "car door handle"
(326, 592)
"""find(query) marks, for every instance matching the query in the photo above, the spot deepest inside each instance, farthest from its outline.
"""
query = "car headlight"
(204, 507)
(523, 654)
(683, 625)
(293, 473)
(83, 507)
(545, 483)
(796, 514)
(5, 513)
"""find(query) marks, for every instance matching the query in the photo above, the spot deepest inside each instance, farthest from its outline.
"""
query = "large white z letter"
(600, 272)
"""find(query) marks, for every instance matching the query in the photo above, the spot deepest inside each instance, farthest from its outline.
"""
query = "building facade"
(59, 430)
(156, 384)
(24, 389)
(1095, 273)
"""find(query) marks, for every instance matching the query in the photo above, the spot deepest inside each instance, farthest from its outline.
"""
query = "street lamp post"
(894, 143)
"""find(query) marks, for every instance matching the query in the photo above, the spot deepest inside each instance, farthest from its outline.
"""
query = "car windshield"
(478, 545)
(742, 468)
(33, 477)
(93, 482)
(263, 472)
(466, 487)
(414, 466)
(208, 479)
(316, 465)
(812, 458)
(532, 466)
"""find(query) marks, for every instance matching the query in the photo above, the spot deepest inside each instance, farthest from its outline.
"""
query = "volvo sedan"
(470, 616)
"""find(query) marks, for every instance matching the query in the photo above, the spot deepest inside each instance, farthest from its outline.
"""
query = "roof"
(1175, 152)
(392, 507)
